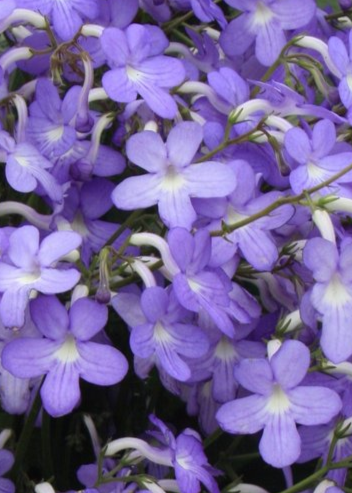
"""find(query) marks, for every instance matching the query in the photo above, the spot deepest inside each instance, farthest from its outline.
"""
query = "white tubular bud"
(93, 30)
(273, 347)
(323, 486)
(4, 436)
(323, 222)
(15, 55)
(340, 205)
(139, 239)
(152, 126)
(44, 488)
(23, 16)
(322, 48)
(143, 271)
(292, 320)
(158, 456)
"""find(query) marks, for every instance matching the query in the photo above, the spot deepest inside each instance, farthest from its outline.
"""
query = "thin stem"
(305, 483)
(47, 459)
(130, 220)
(226, 143)
(291, 199)
(25, 437)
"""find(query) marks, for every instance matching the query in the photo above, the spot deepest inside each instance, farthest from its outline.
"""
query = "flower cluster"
(175, 244)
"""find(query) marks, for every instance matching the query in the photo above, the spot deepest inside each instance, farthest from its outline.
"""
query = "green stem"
(291, 199)
(130, 220)
(48, 469)
(25, 437)
(213, 437)
(226, 143)
(305, 483)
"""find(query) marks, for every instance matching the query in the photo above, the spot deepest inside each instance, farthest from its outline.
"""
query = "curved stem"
(291, 199)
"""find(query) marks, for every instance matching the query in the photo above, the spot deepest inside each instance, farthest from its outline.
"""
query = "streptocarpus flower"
(27, 265)
(278, 403)
(6, 462)
(48, 126)
(26, 168)
(318, 161)
(172, 179)
(65, 353)
(188, 458)
(199, 288)
(138, 67)
(265, 22)
(331, 295)
(343, 61)
(161, 334)
(66, 16)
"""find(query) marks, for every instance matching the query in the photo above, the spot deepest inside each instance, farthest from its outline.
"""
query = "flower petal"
(314, 405)
(87, 318)
(147, 150)
(60, 391)
(57, 245)
(210, 179)
(280, 445)
(29, 357)
(50, 317)
(246, 415)
(176, 209)
(137, 192)
(23, 246)
(255, 375)
(290, 363)
(101, 364)
(183, 142)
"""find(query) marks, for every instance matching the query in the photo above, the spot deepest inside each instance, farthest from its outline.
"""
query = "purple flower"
(278, 403)
(84, 205)
(48, 126)
(188, 458)
(202, 289)
(172, 179)
(65, 353)
(317, 157)
(161, 334)
(331, 295)
(28, 265)
(6, 462)
(66, 16)
(26, 168)
(343, 61)
(15, 392)
(254, 239)
(138, 67)
(265, 22)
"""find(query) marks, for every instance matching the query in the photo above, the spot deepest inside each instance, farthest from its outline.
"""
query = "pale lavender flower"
(48, 126)
(343, 61)
(254, 240)
(278, 403)
(172, 179)
(6, 462)
(26, 168)
(138, 67)
(160, 332)
(65, 353)
(29, 265)
(265, 22)
(200, 288)
(331, 295)
(67, 16)
(15, 392)
(189, 460)
(317, 156)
